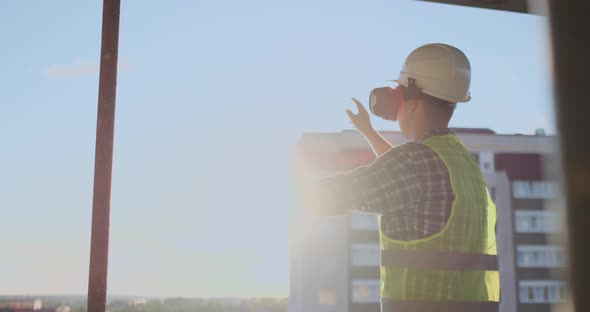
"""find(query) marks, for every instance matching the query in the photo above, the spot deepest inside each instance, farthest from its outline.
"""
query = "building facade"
(335, 260)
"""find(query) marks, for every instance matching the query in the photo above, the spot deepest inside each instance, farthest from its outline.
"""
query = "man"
(437, 236)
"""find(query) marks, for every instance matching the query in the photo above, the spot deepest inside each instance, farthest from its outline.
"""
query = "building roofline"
(479, 140)
(462, 131)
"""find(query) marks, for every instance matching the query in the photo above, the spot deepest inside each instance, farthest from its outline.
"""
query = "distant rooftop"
(333, 144)
(473, 130)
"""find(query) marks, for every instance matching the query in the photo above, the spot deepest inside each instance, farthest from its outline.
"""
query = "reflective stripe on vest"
(392, 305)
(426, 259)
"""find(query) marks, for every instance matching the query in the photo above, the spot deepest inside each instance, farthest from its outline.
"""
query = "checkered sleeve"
(383, 187)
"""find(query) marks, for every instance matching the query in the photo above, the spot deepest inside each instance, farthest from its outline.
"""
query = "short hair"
(438, 106)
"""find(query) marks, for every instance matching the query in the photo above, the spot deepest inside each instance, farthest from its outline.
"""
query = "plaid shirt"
(409, 186)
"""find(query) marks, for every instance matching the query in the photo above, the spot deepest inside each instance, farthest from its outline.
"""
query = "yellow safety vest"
(455, 269)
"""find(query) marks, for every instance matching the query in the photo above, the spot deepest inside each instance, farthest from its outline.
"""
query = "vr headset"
(384, 102)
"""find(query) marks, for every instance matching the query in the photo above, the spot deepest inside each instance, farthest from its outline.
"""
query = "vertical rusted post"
(103, 165)
(570, 30)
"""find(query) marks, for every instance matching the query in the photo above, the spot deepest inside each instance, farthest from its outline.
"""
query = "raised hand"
(361, 121)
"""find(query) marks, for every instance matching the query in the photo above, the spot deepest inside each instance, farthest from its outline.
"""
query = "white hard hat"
(439, 70)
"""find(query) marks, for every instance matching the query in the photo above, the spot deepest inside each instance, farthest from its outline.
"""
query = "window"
(539, 256)
(541, 291)
(366, 291)
(326, 297)
(363, 221)
(486, 162)
(533, 189)
(554, 293)
(537, 221)
(365, 255)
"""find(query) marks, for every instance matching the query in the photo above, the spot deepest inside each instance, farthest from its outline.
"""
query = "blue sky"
(212, 97)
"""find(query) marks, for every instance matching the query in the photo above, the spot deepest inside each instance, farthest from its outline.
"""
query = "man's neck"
(428, 127)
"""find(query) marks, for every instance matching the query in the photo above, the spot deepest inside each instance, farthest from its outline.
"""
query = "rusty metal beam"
(103, 165)
(570, 30)
(520, 6)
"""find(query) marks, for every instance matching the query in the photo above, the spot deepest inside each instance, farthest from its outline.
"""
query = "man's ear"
(413, 105)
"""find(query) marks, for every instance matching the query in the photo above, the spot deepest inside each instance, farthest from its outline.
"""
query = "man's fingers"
(350, 114)
(360, 106)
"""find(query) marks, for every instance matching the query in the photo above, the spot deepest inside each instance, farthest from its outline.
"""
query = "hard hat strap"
(412, 92)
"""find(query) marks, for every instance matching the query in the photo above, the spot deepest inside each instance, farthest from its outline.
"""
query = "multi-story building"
(23, 305)
(335, 260)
